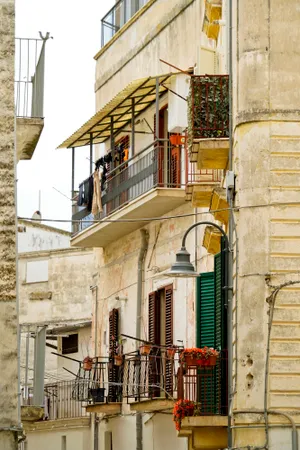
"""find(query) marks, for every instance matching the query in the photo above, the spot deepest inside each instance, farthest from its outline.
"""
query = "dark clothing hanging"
(86, 190)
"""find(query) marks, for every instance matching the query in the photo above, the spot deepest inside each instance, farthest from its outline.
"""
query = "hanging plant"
(182, 409)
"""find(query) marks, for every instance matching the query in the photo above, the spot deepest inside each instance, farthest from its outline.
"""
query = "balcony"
(154, 382)
(213, 13)
(29, 93)
(208, 117)
(145, 186)
(59, 404)
(201, 184)
(117, 17)
(99, 386)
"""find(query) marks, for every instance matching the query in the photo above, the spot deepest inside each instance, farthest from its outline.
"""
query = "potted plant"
(118, 360)
(182, 409)
(171, 352)
(145, 349)
(199, 356)
(97, 394)
(87, 363)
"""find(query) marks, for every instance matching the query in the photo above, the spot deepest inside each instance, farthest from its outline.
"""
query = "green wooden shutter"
(206, 310)
(221, 331)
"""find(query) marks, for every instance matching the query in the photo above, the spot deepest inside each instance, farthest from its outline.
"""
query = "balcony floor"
(154, 203)
(105, 408)
(157, 404)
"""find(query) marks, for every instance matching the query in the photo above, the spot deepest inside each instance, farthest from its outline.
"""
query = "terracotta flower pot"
(196, 362)
(118, 360)
(145, 349)
(170, 353)
(87, 363)
(212, 360)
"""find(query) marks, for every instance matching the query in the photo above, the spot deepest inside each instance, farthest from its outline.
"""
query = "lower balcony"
(99, 386)
(146, 186)
(201, 184)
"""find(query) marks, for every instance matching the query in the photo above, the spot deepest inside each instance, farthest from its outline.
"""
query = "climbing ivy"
(208, 108)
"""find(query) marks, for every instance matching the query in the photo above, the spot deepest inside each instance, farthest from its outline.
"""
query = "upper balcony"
(208, 128)
(117, 17)
(29, 93)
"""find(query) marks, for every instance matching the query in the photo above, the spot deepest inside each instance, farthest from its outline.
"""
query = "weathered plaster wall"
(38, 237)
(64, 300)
(78, 437)
(8, 317)
(266, 156)
(161, 32)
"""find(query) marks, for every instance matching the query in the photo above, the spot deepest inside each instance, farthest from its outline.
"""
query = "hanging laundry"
(97, 201)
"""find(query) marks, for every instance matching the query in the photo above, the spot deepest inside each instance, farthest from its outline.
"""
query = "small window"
(64, 443)
(69, 344)
(108, 444)
(37, 271)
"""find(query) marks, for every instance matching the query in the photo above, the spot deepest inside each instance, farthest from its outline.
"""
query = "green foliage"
(208, 108)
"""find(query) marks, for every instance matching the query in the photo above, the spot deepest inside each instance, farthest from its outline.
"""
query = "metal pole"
(157, 109)
(26, 365)
(91, 153)
(73, 172)
(132, 128)
(112, 141)
(39, 367)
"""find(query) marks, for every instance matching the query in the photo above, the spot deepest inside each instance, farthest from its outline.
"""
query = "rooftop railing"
(29, 76)
(117, 16)
(208, 107)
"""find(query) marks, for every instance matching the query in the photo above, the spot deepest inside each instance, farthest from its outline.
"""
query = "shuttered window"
(156, 311)
(206, 310)
(113, 370)
(175, 173)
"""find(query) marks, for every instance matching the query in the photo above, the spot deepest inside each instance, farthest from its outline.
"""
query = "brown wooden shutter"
(159, 177)
(154, 338)
(113, 370)
(175, 167)
(169, 337)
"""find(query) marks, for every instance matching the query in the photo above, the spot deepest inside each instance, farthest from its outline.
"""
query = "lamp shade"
(182, 266)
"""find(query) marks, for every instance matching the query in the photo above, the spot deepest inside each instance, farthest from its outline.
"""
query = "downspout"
(96, 419)
(230, 234)
(140, 273)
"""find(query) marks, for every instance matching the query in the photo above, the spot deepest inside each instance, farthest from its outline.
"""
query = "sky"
(69, 99)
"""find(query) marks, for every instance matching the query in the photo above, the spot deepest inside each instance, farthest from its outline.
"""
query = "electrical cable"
(150, 219)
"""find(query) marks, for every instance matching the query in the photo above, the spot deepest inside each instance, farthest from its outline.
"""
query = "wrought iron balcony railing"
(29, 77)
(155, 166)
(59, 402)
(101, 383)
(208, 107)
(117, 16)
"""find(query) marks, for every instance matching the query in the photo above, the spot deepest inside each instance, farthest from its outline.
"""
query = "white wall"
(37, 237)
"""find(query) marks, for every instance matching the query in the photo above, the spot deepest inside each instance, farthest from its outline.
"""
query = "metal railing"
(208, 104)
(117, 16)
(150, 376)
(102, 383)
(29, 76)
(59, 402)
(197, 176)
(206, 386)
(153, 167)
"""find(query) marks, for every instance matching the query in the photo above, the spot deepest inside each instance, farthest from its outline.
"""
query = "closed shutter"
(175, 171)
(206, 310)
(113, 371)
(221, 331)
(169, 338)
(154, 338)
(206, 338)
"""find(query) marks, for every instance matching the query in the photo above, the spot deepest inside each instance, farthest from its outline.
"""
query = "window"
(69, 344)
(37, 271)
(108, 443)
(64, 443)
(212, 329)
(160, 332)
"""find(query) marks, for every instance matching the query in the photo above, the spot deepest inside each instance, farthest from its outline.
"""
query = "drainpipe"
(96, 420)
(141, 259)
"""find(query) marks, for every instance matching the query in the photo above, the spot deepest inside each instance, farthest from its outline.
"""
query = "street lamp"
(183, 266)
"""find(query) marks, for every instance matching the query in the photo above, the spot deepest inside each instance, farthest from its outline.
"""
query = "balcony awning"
(120, 108)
